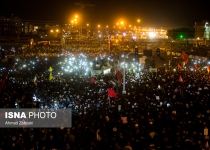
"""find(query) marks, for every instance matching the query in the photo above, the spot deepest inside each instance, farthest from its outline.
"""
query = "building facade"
(10, 28)
(202, 31)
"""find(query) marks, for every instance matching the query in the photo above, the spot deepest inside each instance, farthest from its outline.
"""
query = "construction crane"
(82, 6)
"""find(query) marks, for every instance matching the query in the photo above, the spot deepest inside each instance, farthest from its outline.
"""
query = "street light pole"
(124, 91)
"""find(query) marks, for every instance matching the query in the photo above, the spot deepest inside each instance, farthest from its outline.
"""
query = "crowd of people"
(161, 110)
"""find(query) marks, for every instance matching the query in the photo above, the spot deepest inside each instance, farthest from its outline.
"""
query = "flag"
(50, 69)
(98, 137)
(184, 57)
(51, 76)
(117, 84)
(124, 120)
(152, 134)
(180, 79)
(119, 77)
(112, 83)
(208, 69)
(179, 66)
(196, 66)
(111, 93)
(35, 80)
(92, 80)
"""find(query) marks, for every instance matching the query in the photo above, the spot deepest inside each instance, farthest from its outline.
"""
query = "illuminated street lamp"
(87, 29)
(75, 21)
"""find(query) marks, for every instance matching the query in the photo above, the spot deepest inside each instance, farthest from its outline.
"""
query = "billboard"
(147, 52)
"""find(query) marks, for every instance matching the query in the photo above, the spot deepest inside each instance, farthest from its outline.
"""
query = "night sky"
(155, 13)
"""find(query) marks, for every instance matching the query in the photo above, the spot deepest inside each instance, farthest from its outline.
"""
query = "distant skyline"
(154, 13)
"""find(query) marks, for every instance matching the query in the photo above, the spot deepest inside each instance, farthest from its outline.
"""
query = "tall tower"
(82, 6)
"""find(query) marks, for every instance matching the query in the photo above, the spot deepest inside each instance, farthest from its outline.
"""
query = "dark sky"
(155, 13)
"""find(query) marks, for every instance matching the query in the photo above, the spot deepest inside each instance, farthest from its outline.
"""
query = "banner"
(184, 57)
(179, 66)
(147, 52)
(153, 69)
(111, 93)
(96, 72)
(142, 60)
(92, 80)
(107, 71)
(180, 79)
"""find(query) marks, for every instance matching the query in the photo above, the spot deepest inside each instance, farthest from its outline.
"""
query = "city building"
(10, 28)
(18, 30)
(14, 29)
(202, 31)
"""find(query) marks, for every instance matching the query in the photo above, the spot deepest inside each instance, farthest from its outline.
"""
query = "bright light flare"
(152, 35)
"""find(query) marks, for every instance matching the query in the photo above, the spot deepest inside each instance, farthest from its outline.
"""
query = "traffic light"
(158, 52)
(136, 51)
(181, 36)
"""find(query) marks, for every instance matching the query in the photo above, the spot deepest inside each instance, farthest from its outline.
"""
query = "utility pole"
(124, 91)
(82, 6)
(62, 42)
